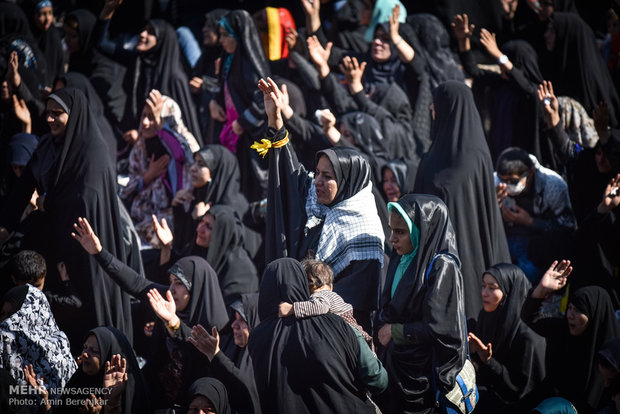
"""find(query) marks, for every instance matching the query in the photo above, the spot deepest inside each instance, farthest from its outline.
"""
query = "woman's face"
(146, 39)
(390, 186)
(201, 405)
(241, 331)
(209, 35)
(56, 118)
(325, 181)
(148, 127)
(200, 174)
(380, 50)
(72, 39)
(492, 295)
(180, 294)
(577, 321)
(204, 229)
(400, 238)
(229, 44)
(550, 37)
(602, 162)
(91, 356)
(43, 19)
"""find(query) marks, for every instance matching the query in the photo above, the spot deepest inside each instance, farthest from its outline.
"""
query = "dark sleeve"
(564, 148)
(238, 383)
(286, 200)
(307, 134)
(66, 297)
(253, 116)
(11, 212)
(548, 327)
(35, 105)
(126, 278)
(338, 98)
(370, 369)
(116, 50)
(471, 68)
(517, 76)
(306, 70)
(511, 380)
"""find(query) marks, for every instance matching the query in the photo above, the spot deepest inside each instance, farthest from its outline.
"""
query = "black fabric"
(405, 172)
(214, 391)
(575, 66)
(348, 32)
(459, 170)
(435, 42)
(161, 68)
(111, 341)
(248, 304)
(223, 189)
(368, 138)
(248, 64)
(431, 311)
(80, 81)
(79, 180)
(16, 297)
(50, 44)
(579, 381)
(13, 20)
(228, 257)
(351, 169)
(518, 365)
(302, 365)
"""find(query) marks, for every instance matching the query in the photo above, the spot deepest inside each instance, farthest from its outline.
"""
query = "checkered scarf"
(351, 230)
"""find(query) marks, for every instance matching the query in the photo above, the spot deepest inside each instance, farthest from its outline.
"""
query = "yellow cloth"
(264, 145)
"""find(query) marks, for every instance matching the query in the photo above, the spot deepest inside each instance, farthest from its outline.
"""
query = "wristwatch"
(503, 59)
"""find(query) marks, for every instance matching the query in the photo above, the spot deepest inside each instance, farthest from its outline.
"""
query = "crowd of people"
(354, 206)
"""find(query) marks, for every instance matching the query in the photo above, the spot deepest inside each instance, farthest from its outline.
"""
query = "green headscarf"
(405, 260)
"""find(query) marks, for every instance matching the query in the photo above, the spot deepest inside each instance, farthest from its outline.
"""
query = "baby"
(322, 298)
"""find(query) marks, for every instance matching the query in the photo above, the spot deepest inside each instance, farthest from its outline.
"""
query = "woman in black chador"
(74, 177)
(422, 314)
(458, 169)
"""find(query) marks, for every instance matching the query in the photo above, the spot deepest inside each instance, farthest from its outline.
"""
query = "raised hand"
(319, 55)
(115, 377)
(501, 192)
(475, 345)
(195, 84)
(164, 309)
(312, 9)
(12, 74)
(611, 198)
(163, 232)
(554, 279)
(394, 24)
(86, 236)
(290, 38)
(550, 103)
(510, 8)
(489, 41)
(204, 342)
(200, 209)
(462, 28)
(353, 72)
(22, 113)
(184, 195)
(274, 102)
(62, 271)
(155, 102)
(38, 385)
(109, 8)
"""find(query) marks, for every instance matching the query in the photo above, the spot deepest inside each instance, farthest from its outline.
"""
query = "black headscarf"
(85, 59)
(206, 306)
(515, 345)
(16, 297)
(576, 68)
(111, 341)
(440, 309)
(224, 187)
(214, 391)
(435, 42)
(321, 352)
(80, 81)
(81, 182)
(247, 307)
(13, 20)
(48, 41)
(368, 139)
(228, 257)
(459, 170)
(405, 172)
(351, 169)
(161, 68)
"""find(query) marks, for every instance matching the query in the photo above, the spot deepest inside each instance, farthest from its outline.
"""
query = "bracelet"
(263, 147)
(175, 327)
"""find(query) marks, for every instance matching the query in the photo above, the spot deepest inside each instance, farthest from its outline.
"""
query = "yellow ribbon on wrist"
(264, 145)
